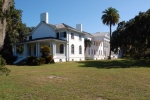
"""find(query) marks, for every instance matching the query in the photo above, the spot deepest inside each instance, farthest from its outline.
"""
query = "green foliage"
(45, 50)
(2, 61)
(34, 61)
(49, 59)
(38, 61)
(3, 69)
(29, 60)
(133, 37)
(15, 31)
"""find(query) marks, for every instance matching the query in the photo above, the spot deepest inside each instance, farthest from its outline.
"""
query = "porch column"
(14, 50)
(37, 49)
(32, 50)
(25, 50)
(51, 48)
(67, 51)
(54, 48)
(64, 49)
(39, 54)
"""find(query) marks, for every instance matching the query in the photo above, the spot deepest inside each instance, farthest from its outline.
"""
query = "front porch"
(32, 48)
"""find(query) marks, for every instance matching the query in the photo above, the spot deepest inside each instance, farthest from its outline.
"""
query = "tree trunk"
(110, 43)
(4, 7)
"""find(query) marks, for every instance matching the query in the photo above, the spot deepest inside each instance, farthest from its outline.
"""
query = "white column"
(64, 49)
(51, 48)
(36, 49)
(54, 48)
(32, 50)
(39, 54)
(25, 50)
(67, 51)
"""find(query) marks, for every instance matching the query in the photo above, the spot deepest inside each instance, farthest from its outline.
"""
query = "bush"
(34, 61)
(29, 60)
(45, 50)
(38, 61)
(2, 62)
(41, 60)
(52, 62)
(3, 69)
(49, 59)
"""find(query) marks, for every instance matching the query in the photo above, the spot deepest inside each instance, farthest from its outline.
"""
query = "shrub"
(34, 61)
(41, 60)
(52, 61)
(38, 61)
(45, 50)
(3, 69)
(49, 59)
(2, 61)
(29, 60)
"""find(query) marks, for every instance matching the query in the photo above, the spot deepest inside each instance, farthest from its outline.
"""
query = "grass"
(88, 80)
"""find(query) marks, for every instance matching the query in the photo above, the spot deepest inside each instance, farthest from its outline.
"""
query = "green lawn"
(89, 80)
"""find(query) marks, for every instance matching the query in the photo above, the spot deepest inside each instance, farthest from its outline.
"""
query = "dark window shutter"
(57, 35)
(64, 34)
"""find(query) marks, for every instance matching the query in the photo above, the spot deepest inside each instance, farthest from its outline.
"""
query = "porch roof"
(42, 39)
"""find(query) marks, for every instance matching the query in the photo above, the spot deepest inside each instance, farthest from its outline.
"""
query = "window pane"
(64, 34)
(72, 36)
(80, 50)
(61, 48)
(72, 49)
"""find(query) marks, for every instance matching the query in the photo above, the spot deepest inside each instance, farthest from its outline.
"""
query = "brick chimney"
(79, 27)
(44, 17)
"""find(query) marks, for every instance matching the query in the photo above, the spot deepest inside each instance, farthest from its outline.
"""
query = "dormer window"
(63, 34)
(72, 36)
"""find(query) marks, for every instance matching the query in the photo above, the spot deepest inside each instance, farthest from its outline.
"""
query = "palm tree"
(110, 17)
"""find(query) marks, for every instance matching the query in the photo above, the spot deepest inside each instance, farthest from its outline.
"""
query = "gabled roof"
(87, 34)
(61, 26)
(65, 26)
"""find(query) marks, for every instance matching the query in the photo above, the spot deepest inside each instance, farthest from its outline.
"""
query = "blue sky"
(72, 12)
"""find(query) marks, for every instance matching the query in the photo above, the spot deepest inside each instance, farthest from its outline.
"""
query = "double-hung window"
(72, 36)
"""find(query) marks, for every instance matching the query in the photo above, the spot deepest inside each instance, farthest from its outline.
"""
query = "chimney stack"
(79, 27)
(44, 17)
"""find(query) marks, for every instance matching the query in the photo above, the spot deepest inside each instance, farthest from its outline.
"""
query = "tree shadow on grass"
(116, 64)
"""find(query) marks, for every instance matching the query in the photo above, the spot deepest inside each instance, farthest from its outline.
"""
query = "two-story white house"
(66, 42)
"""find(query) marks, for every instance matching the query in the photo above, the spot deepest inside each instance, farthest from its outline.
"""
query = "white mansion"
(66, 43)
